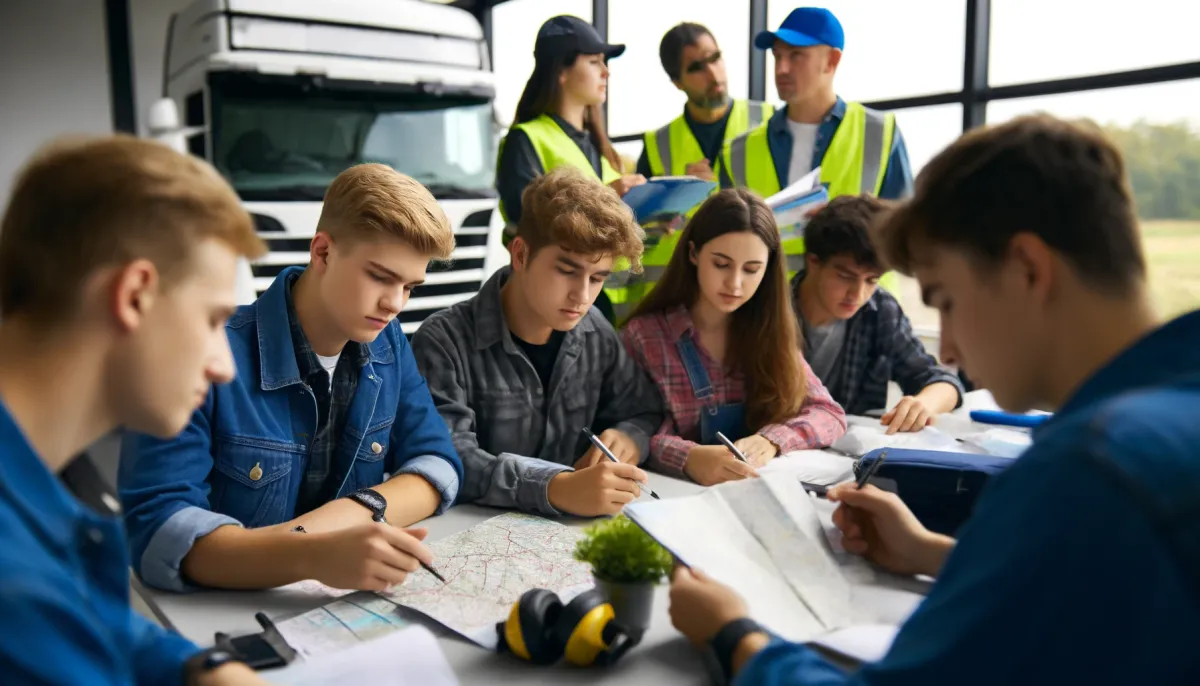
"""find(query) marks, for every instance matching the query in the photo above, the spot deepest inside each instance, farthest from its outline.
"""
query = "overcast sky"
(893, 49)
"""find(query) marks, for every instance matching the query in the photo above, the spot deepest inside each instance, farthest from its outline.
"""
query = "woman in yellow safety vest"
(560, 120)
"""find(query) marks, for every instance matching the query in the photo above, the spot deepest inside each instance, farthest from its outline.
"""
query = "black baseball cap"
(565, 34)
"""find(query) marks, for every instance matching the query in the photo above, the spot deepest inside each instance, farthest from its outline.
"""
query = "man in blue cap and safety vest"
(859, 150)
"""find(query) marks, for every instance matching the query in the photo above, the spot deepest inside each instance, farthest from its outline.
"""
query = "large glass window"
(641, 96)
(278, 140)
(1158, 129)
(515, 24)
(893, 49)
(1040, 40)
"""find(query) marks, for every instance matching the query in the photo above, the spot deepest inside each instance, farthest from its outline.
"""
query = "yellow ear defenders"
(541, 629)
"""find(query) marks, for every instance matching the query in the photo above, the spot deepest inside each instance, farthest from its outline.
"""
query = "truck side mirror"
(163, 117)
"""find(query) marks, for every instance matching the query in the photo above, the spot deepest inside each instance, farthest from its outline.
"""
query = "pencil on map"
(434, 572)
(608, 453)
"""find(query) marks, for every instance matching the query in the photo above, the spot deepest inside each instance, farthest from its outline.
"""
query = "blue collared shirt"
(897, 179)
(1081, 563)
(243, 459)
(65, 616)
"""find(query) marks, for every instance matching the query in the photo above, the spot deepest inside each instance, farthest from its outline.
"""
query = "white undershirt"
(329, 364)
(804, 138)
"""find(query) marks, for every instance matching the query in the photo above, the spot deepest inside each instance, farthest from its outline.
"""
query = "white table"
(663, 656)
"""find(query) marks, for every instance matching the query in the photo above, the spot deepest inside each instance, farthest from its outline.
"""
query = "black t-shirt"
(543, 356)
(711, 138)
(519, 164)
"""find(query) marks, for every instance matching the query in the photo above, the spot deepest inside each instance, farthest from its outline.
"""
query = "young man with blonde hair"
(520, 369)
(118, 258)
(312, 461)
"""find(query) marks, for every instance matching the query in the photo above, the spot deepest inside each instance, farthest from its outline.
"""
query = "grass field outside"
(1172, 250)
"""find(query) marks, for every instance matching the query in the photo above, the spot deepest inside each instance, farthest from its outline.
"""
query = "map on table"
(488, 567)
(341, 624)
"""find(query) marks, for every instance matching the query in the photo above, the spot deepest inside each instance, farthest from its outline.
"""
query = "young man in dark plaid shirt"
(309, 464)
(856, 336)
(521, 368)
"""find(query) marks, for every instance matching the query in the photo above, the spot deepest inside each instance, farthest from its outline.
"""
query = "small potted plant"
(626, 564)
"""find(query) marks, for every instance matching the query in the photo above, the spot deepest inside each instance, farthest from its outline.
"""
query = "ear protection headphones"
(540, 629)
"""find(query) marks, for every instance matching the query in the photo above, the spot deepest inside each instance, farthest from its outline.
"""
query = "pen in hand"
(608, 453)
(732, 448)
(869, 472)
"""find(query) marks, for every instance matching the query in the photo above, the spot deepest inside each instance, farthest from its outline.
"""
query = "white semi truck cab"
(282, 95)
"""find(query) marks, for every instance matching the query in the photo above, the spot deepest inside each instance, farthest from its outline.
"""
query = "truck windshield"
(281, 139)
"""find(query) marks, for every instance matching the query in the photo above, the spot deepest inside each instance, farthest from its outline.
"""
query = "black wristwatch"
(726, 641)
(206, 661)
(372, 500)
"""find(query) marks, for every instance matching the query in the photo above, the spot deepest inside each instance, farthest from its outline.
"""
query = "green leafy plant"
(620, 551)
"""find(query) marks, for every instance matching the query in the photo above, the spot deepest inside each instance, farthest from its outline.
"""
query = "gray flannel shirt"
(880, 347)
(513, 439)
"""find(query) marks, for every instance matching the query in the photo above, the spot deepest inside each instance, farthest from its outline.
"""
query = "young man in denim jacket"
(309, 464)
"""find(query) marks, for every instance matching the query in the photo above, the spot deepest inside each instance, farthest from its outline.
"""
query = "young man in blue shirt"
(285, 473)
(1081, 563)
(118, 258)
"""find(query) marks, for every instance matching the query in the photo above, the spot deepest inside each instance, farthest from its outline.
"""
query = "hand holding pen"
(599, 444)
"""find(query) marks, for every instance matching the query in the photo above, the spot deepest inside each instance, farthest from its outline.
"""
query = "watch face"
(216, 658)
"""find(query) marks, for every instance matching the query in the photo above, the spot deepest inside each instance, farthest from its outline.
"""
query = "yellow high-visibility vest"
(855, 162)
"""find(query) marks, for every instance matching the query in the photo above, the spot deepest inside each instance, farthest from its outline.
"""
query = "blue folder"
(667, 196)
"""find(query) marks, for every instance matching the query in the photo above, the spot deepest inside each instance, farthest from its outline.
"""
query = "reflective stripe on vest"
(671, 148)
(554, 149)
(855, 161)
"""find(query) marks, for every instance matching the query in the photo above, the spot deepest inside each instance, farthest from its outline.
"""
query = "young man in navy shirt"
(118, 258)
(1081, 563)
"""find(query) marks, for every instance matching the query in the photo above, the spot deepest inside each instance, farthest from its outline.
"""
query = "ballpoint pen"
(608, 453)
(732, 448)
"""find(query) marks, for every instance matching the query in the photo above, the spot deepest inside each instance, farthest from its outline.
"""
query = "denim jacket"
(243, 457)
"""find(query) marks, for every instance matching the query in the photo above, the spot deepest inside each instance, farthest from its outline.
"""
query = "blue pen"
(1025, 421)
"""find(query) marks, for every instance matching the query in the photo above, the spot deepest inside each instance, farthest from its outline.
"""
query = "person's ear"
(692, 256)
(1031, 265)
(133, 293)
(518, 249)
(319, 250)
(833, 59)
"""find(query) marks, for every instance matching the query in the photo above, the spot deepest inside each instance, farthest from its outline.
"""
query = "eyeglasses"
(699, 65)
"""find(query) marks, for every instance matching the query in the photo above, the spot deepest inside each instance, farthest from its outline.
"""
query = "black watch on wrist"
(372, 500)
(726, 641)
(206, 661)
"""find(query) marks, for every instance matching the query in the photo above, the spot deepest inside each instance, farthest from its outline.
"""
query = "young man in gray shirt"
(521, 368)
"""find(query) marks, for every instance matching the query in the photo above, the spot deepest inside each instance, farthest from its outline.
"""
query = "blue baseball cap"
(805, 26)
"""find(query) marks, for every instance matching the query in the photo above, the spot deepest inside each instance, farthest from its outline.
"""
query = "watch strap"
(373, 501)
(726, 641)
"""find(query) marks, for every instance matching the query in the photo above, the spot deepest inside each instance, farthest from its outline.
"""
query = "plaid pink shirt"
(651, 341)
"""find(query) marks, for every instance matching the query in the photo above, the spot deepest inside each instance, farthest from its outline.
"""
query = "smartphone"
(257, 652)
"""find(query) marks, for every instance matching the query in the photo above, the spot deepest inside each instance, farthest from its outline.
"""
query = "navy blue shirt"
(64, 587)
(1081, 563)
(710, 136)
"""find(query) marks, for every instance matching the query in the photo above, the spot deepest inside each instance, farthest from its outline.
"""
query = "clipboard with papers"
(666, 197)
(793, 204)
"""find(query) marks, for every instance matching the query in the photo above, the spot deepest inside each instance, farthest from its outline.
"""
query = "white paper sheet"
(409, 657)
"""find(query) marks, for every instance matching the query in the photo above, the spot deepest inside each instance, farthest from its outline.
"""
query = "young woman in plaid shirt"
(719, 338)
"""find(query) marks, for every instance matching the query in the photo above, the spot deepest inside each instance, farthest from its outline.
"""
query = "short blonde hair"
(374, 200)
(578, 213)
(83, 204)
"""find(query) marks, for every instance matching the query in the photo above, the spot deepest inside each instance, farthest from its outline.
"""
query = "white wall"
(54, 77)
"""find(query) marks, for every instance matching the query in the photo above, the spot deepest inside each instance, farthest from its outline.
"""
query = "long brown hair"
(543, 93)
(764, 338)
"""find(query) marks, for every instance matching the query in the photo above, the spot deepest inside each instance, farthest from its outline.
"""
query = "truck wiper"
(308, 192)
(453, 191)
